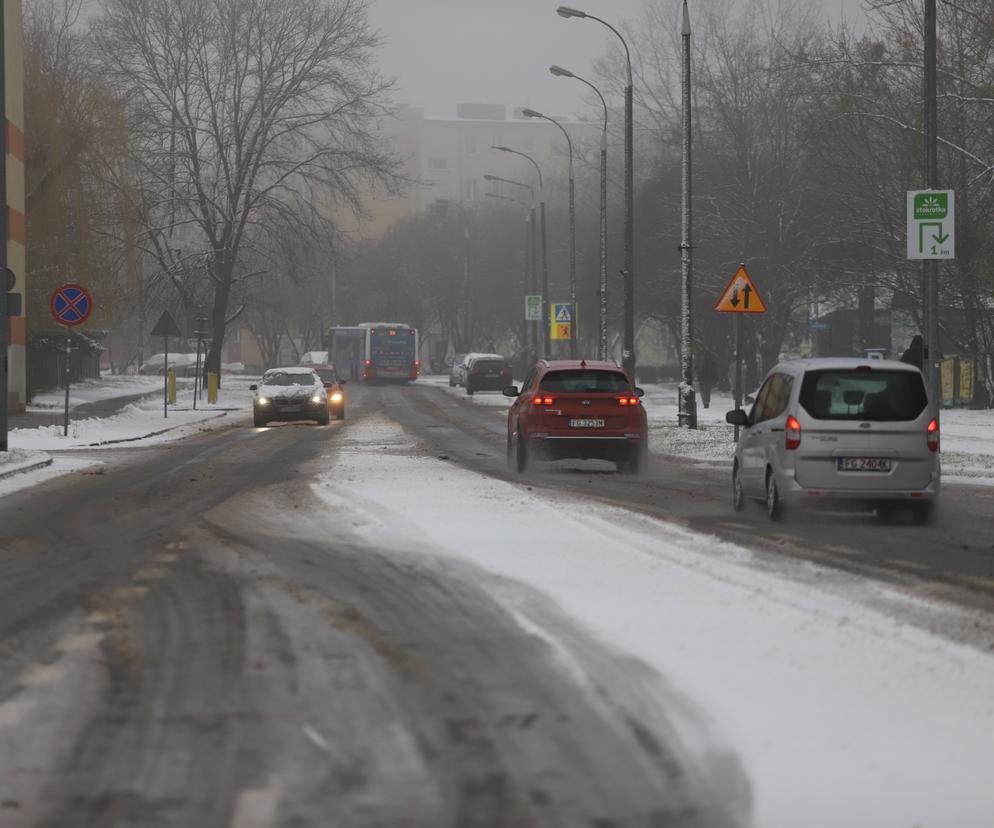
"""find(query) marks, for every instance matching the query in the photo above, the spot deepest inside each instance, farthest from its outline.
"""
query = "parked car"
(576, 408)
(457, 370)
(289, 394)
(853, 431)
(333, 388)
(487, 372)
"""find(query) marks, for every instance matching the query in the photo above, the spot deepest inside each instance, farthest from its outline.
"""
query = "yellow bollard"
(172, 388)
(211, 388)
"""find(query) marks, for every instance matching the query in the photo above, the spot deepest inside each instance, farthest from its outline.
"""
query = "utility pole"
(930, 267)
(4, 317)
(687, 414)
(628, 354)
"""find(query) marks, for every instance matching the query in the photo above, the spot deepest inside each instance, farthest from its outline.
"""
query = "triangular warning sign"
(563, 313)
(166, 326)
(740, 296)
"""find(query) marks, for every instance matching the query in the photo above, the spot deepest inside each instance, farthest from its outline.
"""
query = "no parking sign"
(71, 304)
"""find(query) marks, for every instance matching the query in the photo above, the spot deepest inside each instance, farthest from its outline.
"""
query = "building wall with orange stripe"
(16, 237)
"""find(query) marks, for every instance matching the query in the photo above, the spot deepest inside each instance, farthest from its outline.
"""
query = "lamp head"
(502, 149)
(489, 177)
(566, 11)
(531, 113)
(559, 72)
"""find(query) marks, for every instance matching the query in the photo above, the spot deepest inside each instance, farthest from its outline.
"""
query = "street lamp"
(529, 243)
(531, 113)
(530, 239)
(559, 72)
(628, 355)
(545, 246)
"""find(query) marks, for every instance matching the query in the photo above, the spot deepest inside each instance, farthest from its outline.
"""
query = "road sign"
(10, 279)
(166, 326)
(562, 330)
(931, 224)
(533, 308)
(740, 296)
(71, 304)
(562, 312)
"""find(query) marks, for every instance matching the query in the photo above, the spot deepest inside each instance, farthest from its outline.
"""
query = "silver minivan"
(853, 430)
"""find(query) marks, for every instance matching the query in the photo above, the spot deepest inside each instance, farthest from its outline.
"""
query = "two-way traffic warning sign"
(740, 296)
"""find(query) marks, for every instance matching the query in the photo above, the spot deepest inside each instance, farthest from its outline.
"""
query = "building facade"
(446, 158)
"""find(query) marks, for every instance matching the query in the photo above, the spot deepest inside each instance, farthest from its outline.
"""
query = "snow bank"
(843, 714)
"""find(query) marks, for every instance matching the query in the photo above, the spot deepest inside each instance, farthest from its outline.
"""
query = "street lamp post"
(529, 243)
(545, 246)
(558, 71)
(687, 413)
(628, 355)
(531, 113)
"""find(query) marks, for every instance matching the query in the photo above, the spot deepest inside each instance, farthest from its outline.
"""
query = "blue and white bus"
(375, 351)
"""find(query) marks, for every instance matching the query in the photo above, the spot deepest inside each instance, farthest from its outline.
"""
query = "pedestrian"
(915, 353)
(707, 377)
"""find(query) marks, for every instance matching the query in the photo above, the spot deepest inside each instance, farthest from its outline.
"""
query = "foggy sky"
(443, 52)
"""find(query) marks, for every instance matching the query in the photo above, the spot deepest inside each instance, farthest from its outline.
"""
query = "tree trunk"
(219, 315)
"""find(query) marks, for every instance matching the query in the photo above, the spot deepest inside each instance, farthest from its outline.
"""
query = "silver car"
(853, 430)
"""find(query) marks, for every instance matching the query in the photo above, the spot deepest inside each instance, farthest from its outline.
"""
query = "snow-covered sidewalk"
(140, 421)
(108, 387)
(844, 714)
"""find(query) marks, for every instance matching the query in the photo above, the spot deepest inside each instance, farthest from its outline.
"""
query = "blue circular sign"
(71, 304)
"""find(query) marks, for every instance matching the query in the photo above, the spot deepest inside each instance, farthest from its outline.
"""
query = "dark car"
(333, 388)
(487, 372)
(289, 394)
(577, 409)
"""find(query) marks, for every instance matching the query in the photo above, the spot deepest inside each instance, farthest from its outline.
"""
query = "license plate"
(586, 423)
(289, 409)
(859, 464)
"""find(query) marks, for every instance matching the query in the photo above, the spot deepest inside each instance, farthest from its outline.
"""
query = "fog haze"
(443, 52)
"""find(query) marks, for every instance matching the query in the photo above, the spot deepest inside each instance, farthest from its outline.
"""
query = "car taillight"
(793, 430)
(368, 362)
(628, 400)
(932, 435)
(543, 400)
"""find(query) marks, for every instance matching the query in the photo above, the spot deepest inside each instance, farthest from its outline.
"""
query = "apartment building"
(446, 158)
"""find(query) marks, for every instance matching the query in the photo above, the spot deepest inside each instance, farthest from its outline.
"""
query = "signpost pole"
(930, 267)
(196, 376)
(738, 367)
(65, 423)
(165, 379)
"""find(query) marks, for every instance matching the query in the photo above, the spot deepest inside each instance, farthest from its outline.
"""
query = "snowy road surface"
(375, 624)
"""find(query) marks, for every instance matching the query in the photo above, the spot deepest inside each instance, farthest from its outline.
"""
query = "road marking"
(256, 808)
(316, 739)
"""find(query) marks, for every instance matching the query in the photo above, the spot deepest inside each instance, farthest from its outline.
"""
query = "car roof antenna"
(583, 363)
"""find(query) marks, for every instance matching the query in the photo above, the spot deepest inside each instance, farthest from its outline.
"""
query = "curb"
(40, 464)
(154, 433)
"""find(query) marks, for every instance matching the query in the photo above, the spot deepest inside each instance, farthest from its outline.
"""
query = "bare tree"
(247, 116)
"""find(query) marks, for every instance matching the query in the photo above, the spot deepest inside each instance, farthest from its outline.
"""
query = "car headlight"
(336, 397)
(263, 401)
(316, 398)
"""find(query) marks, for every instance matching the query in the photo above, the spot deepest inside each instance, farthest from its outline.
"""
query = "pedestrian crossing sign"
(561, 319)
(562, 312)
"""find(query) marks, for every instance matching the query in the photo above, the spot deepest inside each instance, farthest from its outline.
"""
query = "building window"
(472, 191)
(438, 164)
(470, 145)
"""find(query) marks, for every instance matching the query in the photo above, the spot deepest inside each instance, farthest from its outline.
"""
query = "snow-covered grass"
(142, 421)
(107, 387)
(843, 714)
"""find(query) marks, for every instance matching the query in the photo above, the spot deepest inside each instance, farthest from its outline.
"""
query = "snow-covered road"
(843, 714)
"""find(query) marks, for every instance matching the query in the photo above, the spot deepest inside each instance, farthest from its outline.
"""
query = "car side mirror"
(511, 391)
(639, 392)
(253, 388)
(328, 385)
(737, 417)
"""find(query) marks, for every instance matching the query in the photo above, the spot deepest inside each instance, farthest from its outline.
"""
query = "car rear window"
(488, 363)
(867, 395)
(585, 381)
(327, 374)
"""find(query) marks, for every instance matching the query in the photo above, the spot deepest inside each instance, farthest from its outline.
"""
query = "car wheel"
(451, 383)
(469, 390)
(341, 413)
(738, 493)
(922, 513)
(258, 420)
(324, 419)
(774, 506)
(522, 458)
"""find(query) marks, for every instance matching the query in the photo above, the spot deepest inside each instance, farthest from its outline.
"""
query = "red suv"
(575, 408)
